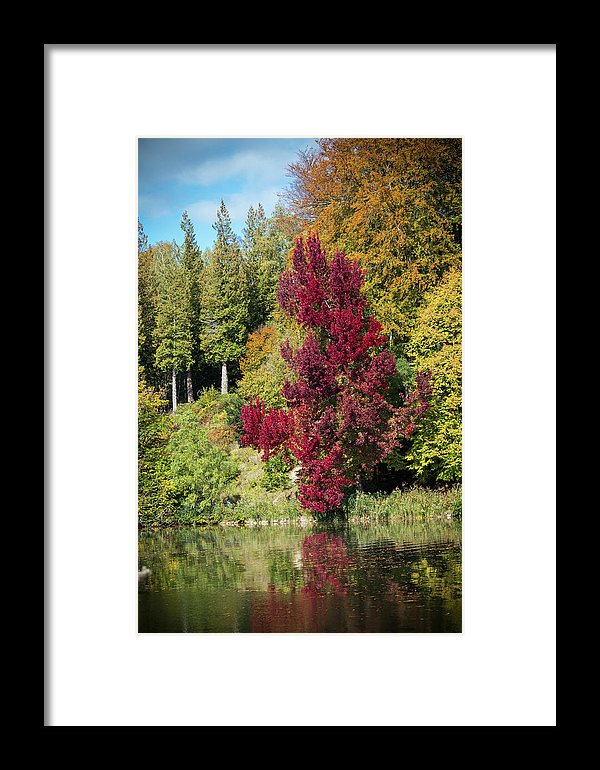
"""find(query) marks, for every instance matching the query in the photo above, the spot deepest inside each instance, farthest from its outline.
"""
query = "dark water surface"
(396, 577)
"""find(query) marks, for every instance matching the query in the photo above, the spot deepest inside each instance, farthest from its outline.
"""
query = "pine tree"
(224, 313)
(191, 261)
(264, 253)
(146, 307)
(172, 333)
(142, 238)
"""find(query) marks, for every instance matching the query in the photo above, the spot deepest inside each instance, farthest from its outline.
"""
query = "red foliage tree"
(340, 422)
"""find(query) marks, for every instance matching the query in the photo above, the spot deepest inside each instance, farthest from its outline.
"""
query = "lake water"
(402, 577)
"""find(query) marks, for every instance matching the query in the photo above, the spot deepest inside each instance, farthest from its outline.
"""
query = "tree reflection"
(325, 564)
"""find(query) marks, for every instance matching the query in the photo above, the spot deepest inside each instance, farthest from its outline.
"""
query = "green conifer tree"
(191, 262)
(173, 331)
(146, 307)
(224, 301)
(264, 253)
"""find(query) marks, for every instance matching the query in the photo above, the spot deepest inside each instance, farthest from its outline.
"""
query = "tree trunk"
(224, 382)
(174, 388)
(190, 389)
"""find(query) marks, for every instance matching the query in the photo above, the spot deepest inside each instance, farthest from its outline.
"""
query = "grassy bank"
(407, 503)
(262, 508)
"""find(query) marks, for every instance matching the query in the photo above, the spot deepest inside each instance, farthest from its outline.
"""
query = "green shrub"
(232, 404)
(276, 473)
(220, 412)
(201, 473)
(155, 489)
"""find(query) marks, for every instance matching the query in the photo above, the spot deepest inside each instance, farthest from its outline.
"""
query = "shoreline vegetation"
(194, 473)
(409, 504)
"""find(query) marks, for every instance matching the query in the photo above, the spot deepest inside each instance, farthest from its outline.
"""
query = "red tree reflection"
(324, 567)
(325, 563)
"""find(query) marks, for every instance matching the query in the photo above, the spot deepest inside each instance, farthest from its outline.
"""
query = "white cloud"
(155, 206)
(248, 164)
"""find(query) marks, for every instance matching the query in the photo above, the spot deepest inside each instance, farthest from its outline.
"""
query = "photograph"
(299, 368)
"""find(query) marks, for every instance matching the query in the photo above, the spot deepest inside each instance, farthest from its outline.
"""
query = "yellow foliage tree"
(435, 343)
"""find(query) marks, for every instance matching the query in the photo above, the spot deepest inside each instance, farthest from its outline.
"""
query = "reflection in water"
(325, 564)
(401, 577)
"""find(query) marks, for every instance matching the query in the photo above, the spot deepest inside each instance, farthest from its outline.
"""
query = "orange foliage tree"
(393, 205)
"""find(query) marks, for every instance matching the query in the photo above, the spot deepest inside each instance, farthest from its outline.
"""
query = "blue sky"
(193, 175)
